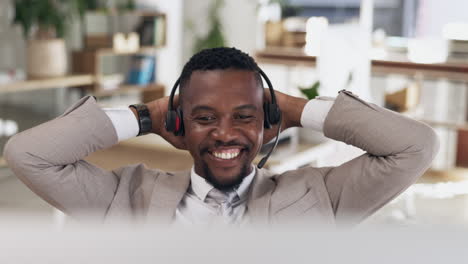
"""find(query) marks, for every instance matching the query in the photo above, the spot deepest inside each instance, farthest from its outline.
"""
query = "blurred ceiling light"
(269, 12)
(8, 128)
(455, 31)
(316, 28)
(427, 50)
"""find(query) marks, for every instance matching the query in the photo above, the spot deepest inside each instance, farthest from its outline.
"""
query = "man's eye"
(205, 118)
(245, 117)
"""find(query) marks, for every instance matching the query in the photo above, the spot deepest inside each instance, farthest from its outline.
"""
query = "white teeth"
(225, 155)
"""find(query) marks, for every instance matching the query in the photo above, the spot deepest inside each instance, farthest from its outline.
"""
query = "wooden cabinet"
(103, 54)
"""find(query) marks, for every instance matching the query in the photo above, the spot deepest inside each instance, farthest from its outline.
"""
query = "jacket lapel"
(169, 189)
(258, 204)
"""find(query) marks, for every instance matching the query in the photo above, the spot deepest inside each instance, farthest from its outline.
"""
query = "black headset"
(174, 117)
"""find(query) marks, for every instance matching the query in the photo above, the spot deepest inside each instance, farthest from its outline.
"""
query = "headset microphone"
(272, 116)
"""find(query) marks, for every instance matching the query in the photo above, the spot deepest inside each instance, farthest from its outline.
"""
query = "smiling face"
(223, 119)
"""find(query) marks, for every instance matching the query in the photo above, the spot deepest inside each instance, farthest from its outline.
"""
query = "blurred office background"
(410, 56)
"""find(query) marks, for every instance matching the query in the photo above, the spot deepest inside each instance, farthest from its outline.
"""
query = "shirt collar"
(201, 187)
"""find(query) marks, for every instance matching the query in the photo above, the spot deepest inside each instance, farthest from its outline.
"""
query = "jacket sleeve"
(398, 151)
(49, 160)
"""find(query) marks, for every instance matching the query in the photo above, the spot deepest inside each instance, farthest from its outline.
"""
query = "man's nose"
(225, 131)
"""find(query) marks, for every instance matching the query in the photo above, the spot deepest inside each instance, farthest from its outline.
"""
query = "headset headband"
(170, 105)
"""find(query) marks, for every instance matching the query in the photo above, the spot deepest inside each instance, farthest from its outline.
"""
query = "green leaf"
(24, 16)
(312, 91)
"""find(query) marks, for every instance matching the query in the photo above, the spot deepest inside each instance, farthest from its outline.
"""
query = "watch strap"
(144, 119)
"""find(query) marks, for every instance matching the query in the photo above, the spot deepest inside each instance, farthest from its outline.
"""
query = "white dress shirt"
(194, 208)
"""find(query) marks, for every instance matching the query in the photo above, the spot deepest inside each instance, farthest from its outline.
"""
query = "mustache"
(232, 143)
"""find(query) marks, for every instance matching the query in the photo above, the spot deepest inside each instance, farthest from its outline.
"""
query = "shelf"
(126, 88)
(128, 12)
(73, 81)
(47, 83)
(143, 50)
(397, 64)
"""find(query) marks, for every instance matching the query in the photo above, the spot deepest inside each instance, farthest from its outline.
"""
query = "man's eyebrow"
(202, 108)
(209, 108)
(246, 106)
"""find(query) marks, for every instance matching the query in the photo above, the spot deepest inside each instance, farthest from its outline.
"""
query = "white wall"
(12, 46)
(433, 14)
(238, 18)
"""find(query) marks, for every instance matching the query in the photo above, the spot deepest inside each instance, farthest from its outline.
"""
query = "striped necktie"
(226, 202)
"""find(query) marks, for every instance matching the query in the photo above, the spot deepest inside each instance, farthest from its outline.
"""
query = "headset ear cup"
(274, 114)
(180, 131)
(171, 118)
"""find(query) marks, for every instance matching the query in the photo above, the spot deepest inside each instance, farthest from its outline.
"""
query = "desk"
(47, 83)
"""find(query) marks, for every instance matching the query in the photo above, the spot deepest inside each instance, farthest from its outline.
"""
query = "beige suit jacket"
(49, 160)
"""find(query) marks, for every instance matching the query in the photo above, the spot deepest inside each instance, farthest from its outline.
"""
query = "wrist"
(155, 114)
(292, 111)
(145, 124)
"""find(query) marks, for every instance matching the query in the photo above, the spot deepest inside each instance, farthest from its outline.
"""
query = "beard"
(231, 183)
(226, 186)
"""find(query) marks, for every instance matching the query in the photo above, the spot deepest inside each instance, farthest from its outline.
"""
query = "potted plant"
(44, 24)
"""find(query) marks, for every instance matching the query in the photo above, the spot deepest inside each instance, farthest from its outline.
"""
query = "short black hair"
(221, 58)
